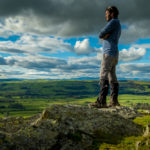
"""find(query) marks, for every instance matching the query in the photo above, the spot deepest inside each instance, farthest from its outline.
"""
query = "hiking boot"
(113, 104)
(114, 95)
(96, 105)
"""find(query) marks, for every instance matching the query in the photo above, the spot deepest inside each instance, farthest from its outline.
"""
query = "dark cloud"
(135, 70)
(46, 64)
(81, 64)
(48, 67)
(2, 61)
(77, 67)
(11, 50)
(40, 63)
(136, 67)
(67, 18)
(76, 17)
(8, 73)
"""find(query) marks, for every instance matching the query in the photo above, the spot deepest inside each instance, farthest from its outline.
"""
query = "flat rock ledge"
(69, 127)
(124, 111)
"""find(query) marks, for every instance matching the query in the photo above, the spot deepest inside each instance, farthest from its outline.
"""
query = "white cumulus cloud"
(83, 47)
(29, 43)
(132, 54)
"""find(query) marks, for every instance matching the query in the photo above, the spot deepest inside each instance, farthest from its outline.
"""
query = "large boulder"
(71, 127)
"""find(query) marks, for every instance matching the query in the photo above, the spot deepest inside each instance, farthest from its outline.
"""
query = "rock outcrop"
(68, 127)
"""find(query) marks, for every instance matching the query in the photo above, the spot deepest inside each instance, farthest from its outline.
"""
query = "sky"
(58, 39)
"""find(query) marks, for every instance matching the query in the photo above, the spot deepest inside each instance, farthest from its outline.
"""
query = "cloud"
(136, 70)
(134, 31)
(49, 67)
(43, 25)
(40, 63)
(72, 18)
(34, 44)
(142, 46)
(45, 67)
(83, 47)
(131, 54)
(31, 44)
(57, 17)
(10, 72)
(142, 67)
(83, 63)
(2, 61)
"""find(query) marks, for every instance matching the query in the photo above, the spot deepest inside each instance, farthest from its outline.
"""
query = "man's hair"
(113, 9)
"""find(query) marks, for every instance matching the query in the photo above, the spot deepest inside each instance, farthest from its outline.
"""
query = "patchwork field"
(28, 97)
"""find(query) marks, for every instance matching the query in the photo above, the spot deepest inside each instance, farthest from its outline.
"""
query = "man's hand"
(105, 37)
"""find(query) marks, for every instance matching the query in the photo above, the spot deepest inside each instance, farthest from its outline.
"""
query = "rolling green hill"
(27, 97)
(66, 88)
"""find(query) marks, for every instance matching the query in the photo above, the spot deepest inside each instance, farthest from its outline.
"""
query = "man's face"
(108, 16)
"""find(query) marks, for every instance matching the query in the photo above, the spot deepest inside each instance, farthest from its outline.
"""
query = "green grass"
(144, 120)
(38, 104)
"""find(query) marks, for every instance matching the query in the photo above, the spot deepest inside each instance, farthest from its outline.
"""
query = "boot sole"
(112, 106)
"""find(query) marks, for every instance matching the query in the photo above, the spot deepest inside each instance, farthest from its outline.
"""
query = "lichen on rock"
(71, 127)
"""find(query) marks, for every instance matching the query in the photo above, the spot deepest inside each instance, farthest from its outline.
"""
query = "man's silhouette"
(110, 35)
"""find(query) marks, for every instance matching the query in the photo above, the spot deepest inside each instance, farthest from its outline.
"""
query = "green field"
(28, 97)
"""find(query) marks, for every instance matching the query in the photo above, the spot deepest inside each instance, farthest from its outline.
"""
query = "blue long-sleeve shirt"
(110, 45)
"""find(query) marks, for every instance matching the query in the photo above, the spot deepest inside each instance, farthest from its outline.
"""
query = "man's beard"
(109, 18)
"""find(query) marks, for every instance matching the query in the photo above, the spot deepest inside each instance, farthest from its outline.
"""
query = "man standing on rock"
(110, 35)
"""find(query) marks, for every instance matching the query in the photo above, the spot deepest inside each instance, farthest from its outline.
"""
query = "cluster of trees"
(11, 107)
(16, 106)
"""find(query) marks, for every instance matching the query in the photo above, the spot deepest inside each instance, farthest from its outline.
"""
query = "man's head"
(111, 12)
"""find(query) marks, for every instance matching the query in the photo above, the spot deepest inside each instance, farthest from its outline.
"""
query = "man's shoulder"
(115, 20)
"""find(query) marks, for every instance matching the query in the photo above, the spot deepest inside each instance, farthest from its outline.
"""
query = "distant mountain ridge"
(82, 78)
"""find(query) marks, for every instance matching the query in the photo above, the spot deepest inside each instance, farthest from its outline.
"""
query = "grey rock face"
(72, 127)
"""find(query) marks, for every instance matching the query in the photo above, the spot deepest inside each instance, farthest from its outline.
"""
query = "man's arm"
(105, 37)
(106, 31)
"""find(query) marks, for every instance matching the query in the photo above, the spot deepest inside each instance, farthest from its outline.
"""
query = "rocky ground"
(69, 127)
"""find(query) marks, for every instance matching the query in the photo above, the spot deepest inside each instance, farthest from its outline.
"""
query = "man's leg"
(114, 85)
(114, 95)
(104, 83)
